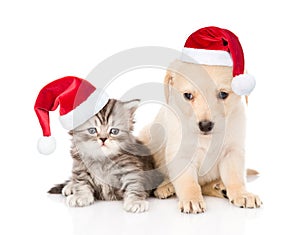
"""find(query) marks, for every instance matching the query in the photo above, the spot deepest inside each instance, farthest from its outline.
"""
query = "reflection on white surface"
(108, 217)
(39, 213)
(163, 217)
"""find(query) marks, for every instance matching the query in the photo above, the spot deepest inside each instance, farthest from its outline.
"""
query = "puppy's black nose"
(206, 126)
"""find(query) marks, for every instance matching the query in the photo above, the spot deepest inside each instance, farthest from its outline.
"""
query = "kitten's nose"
(206, 126)
(103, 140)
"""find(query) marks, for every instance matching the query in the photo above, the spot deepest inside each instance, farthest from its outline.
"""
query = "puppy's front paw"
(136, 206)
(164, 191)
(245, 200)
(80, 200)
(192, 206)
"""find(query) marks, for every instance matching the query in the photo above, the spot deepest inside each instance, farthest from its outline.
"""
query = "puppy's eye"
(188, 96)
(114, 131)
(92, 130)
(222, 95)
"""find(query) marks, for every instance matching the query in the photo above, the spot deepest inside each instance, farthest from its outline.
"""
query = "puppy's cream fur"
(188, 158)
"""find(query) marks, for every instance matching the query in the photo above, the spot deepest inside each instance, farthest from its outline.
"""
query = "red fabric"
(214, 38)
(68, 92)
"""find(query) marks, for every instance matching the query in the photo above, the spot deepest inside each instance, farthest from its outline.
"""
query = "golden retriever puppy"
(198, 140)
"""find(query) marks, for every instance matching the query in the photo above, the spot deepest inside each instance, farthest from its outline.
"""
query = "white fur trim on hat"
(207, 57)
(94, 103)
(243, 84)
(46, 145)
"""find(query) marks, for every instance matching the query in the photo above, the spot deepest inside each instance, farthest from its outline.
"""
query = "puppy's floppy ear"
(168, 82)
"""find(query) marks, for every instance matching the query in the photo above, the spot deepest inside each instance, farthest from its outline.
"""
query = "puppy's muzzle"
(206, 126)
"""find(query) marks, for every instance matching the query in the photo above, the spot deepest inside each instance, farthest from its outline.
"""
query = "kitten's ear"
(131, 105)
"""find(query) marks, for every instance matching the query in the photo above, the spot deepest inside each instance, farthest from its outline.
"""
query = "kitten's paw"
(192, 206)
(245, 200)
(68, 189)
(136, 206)
(164, 191)
(80, 200)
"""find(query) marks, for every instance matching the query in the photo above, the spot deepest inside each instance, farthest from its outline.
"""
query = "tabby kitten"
(109, 163)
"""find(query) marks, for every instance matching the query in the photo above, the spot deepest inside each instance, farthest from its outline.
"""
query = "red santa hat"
(216, 46)
(78, 99)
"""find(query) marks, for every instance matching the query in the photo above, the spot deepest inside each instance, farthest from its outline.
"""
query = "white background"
(41, 41)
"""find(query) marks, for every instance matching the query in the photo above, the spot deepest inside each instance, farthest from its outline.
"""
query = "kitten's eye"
(92, 130)
(188, 96)
(222, 95)
(114, 131)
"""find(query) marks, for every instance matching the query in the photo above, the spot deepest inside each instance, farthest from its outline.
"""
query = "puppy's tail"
(57, 189)
(251, 172)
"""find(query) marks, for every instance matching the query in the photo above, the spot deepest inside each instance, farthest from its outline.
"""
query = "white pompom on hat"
(46, 145)
(78, 99)
(243, 84)
(216, 46)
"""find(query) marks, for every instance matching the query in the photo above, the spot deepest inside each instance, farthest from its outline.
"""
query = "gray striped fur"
(123, 169)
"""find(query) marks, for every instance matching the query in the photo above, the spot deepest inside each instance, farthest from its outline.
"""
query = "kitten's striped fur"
(122, 169)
